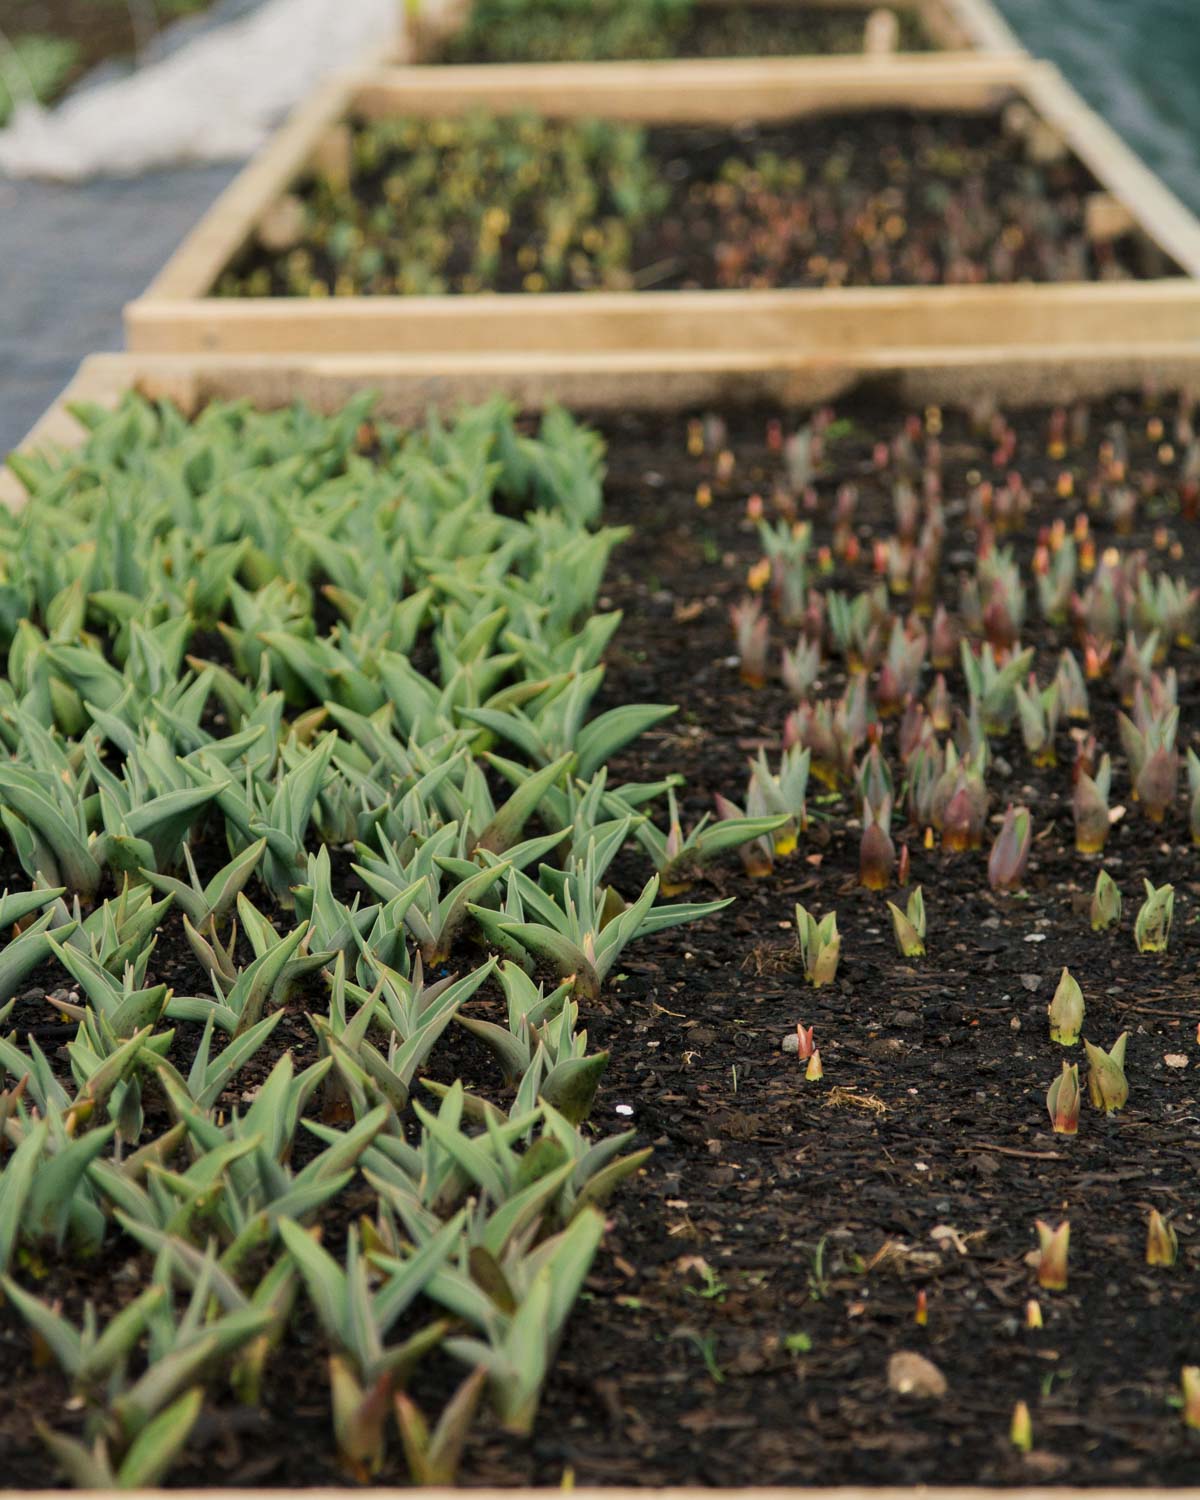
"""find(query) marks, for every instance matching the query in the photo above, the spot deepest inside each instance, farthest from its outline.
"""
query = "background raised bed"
(178, 314)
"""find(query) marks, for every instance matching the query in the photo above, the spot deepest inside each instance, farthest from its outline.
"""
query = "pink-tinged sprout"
(814, 1072)
(877, 852)
(1033, 1315)
(1086, 754)
(804, 1042)
(751, 630)
(938, 704)
(921, 1312)
(811, 728)
(1193, 769)
(1189, 1382)
(1037, 710)
(963, 817)
(1097, 657)
(1010, 852)
(915, 728)
(800, 668)
(906, 506)
(900, 673)
(820, 946)
(903, 867)
(1106, 903)
(1062, 1100)
(943, 640)
(1054, 1248)
(1135, 666)
(908, 926)
(1152, 926)
(1089, 804)
(1107, 1084)
(755, 509)
(1066, 1011)
(1158, 782)
(1020, 1432)
(1162, 1243)
(924, 774)
(873, 777)
(1072, 690)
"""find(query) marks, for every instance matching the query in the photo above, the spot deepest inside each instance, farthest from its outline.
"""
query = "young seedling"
(814, 1072)
(877, 852)
(1189, 1382)
(1010, 852)
(1107, 1084)
(751, 630)
(1162, 1243)
(1066, 1011)
(1062, 1100)
(1054, 1247)
(1105, 909)
(820, 946)
(1020, 1432)
(1089, 806)
(908, 926)
(1152, 926)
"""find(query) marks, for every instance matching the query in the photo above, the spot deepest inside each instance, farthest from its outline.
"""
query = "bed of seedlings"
(308, 833)
(511, 31)
(925, 1104)
(525, 204)
(334, 805)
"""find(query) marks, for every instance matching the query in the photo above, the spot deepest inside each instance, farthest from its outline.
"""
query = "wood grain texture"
(407, 387)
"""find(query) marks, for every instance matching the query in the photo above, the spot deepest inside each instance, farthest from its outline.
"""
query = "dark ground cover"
(867, 199)
(765, 1265)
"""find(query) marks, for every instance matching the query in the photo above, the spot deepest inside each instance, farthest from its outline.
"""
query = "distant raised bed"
(676, 190)
(499, 31)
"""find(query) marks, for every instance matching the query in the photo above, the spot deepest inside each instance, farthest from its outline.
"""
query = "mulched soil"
(730, 31)
(884, 199)
(762, 1269)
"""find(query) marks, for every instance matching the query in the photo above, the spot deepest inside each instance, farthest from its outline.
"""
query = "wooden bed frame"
(177, 314)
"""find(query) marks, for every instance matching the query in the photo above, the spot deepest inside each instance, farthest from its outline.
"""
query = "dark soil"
(718, 31)
(877, 199)
(760, 1272)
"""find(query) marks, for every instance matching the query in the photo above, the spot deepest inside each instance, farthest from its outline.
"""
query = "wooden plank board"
(804, 322)
(409, 386)
(177, 315)
(697, 90)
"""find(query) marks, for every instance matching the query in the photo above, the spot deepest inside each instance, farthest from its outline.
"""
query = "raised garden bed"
(1065, 199)
(791, 1236)
(498, 31)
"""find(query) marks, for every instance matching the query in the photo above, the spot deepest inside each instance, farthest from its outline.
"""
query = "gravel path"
(70, 258)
